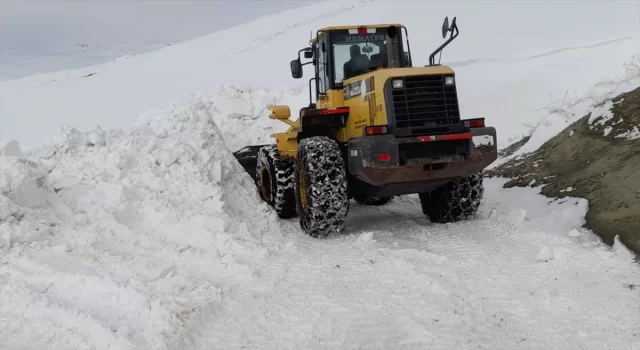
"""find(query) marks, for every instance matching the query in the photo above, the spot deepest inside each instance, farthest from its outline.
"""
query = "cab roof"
(355, 26)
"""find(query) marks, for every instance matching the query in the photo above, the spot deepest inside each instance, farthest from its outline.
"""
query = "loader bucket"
(248, 158)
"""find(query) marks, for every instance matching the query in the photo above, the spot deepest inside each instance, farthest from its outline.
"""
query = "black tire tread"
(282, 182)
(457, 200)
(327, 196)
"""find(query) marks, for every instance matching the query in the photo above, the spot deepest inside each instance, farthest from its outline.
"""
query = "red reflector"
(457, 137)
(362, 30)
(474, 123)
(376, 130)
(445, 137)
(384, 156)
(335, 110)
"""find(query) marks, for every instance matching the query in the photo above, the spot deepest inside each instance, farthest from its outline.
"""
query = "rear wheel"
(455, 201)
(322, 200)
(372, 200)
(274, 177)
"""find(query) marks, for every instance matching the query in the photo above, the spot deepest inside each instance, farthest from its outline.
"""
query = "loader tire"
(322, 201)
(372, 200)
(274, 177)
(457, 200)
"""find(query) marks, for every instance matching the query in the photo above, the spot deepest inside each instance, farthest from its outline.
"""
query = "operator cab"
(347, 52)
(341, 53)
(368, 49)
(344, 52)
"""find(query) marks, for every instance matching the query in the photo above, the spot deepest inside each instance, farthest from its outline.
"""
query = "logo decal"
(365, 38)
(355, 89)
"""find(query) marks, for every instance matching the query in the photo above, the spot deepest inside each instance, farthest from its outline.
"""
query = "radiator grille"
(425, 103)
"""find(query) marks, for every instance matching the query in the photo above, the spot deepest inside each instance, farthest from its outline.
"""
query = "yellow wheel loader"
(375, 127)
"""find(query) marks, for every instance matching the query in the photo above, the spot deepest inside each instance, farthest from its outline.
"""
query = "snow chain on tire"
(455, 201)
(277, 187)
(322, 200)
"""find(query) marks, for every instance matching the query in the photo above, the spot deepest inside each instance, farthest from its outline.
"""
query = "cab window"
(357, 53)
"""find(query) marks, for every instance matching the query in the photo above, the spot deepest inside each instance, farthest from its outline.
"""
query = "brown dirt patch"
(602, 169)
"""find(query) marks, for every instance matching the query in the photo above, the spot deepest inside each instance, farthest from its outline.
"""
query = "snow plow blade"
(248, 158)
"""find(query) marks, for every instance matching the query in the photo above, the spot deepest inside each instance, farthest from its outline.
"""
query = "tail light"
(474, 123)
(384, 157)
(376, 130)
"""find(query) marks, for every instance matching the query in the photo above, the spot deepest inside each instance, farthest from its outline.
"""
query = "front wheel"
(455, 201)
(322, 200)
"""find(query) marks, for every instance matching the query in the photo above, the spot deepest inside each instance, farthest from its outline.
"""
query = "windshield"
(356, 51)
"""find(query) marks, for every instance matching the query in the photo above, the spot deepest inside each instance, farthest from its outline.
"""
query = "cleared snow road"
(509, 279)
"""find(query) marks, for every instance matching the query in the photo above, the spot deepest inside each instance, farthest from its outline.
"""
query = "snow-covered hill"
(151, 235)
(47, 36)
(512, 59)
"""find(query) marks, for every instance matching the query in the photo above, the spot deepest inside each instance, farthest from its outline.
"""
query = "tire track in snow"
(322, 295)
(469, 285)
(363, 304)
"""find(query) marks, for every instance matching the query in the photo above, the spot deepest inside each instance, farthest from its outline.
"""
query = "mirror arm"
(303, 50)
(454, 27)
(406, 34)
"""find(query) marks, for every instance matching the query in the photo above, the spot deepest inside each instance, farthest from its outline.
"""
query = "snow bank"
(596, 101)
(112, 239)
(240, 111)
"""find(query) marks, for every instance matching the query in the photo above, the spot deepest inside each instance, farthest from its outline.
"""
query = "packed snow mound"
(10, 148)
(240, 111)
(111, 239)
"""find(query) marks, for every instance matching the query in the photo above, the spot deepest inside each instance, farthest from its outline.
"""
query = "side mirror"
(279, 112)
(445, 27)
(367, 49)
(296, 69)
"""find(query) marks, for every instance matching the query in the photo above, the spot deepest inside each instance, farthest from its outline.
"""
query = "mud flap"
(484, 140)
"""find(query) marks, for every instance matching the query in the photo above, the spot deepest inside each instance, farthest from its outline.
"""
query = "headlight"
(449, 81)
(397, 83)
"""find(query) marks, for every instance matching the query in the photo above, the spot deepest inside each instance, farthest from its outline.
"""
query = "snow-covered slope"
(512, 59)
(46, 36)
(560, 114)
(151, 236)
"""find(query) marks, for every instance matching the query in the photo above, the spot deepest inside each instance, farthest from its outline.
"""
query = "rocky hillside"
(597, 158)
